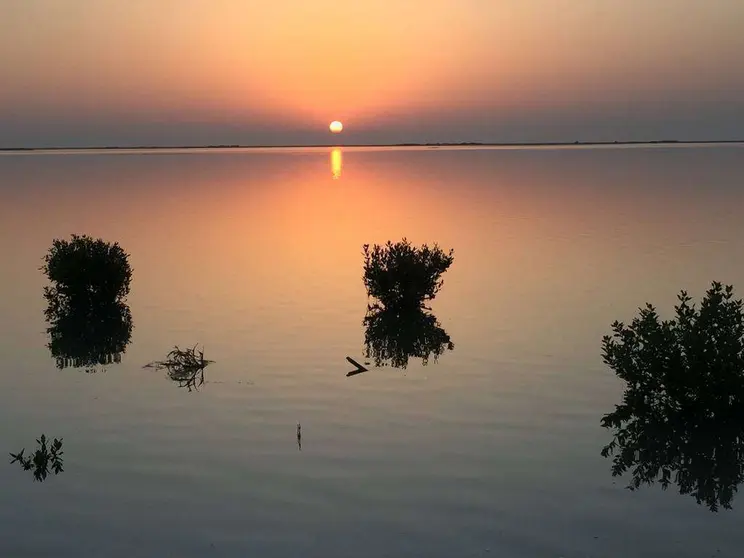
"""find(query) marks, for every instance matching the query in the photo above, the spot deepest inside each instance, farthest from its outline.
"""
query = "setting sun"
(336, 127)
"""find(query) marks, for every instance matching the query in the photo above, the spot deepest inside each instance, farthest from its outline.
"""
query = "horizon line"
(338, 145)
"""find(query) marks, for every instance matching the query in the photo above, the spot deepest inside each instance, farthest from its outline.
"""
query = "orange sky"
(114, 68)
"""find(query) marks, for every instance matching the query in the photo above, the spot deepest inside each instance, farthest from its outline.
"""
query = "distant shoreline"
(456, 144)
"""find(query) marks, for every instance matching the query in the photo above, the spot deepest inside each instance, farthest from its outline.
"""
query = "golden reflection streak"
(336, 162)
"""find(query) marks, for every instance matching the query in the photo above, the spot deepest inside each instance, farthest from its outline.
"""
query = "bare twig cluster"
(186, 367)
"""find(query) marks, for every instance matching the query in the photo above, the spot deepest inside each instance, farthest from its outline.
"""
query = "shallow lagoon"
(257, 255)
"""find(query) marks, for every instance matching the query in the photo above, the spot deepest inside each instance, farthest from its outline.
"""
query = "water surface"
(257, 256)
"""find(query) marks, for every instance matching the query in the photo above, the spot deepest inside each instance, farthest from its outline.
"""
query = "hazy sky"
(154, 72)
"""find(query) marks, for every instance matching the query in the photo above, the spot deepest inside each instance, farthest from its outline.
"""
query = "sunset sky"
(187, 72)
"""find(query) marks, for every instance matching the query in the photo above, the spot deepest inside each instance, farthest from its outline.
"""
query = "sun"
(336, 127)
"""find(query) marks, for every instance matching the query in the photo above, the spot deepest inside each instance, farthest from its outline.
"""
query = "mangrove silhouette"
(44, 460)
(89, 322)
(681, 419)
(402, 276)
(394, 336)
(184, 367)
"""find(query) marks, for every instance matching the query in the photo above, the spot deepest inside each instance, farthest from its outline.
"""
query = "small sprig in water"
(183, 366)
(44, 459)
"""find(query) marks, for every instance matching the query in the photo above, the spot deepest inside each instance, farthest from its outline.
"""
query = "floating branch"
(186, 367)
(359, 367)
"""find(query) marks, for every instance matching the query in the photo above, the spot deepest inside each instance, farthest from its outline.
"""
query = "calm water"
(491, 451)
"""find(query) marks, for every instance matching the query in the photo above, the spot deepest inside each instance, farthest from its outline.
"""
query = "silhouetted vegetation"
(89, 322)
(185, 367)
(681, 419)
(393, 336)
(86, 269)
(44, 460)
(403, 276)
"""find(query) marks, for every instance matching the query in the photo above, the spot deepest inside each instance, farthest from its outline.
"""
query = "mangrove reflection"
(681, 419)
(393, 337)
(184, 367)
(46, 459)
(89, 322)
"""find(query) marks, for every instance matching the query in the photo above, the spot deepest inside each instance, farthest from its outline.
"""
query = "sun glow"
(336, 127)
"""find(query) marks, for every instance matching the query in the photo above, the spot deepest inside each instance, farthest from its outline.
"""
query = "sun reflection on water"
(336, 162)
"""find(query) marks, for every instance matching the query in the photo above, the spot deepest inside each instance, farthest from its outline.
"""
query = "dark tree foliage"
(681, 419)
(84, 269)
(395, 336)
(89, 322)
(403, 276)
(44, 460)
